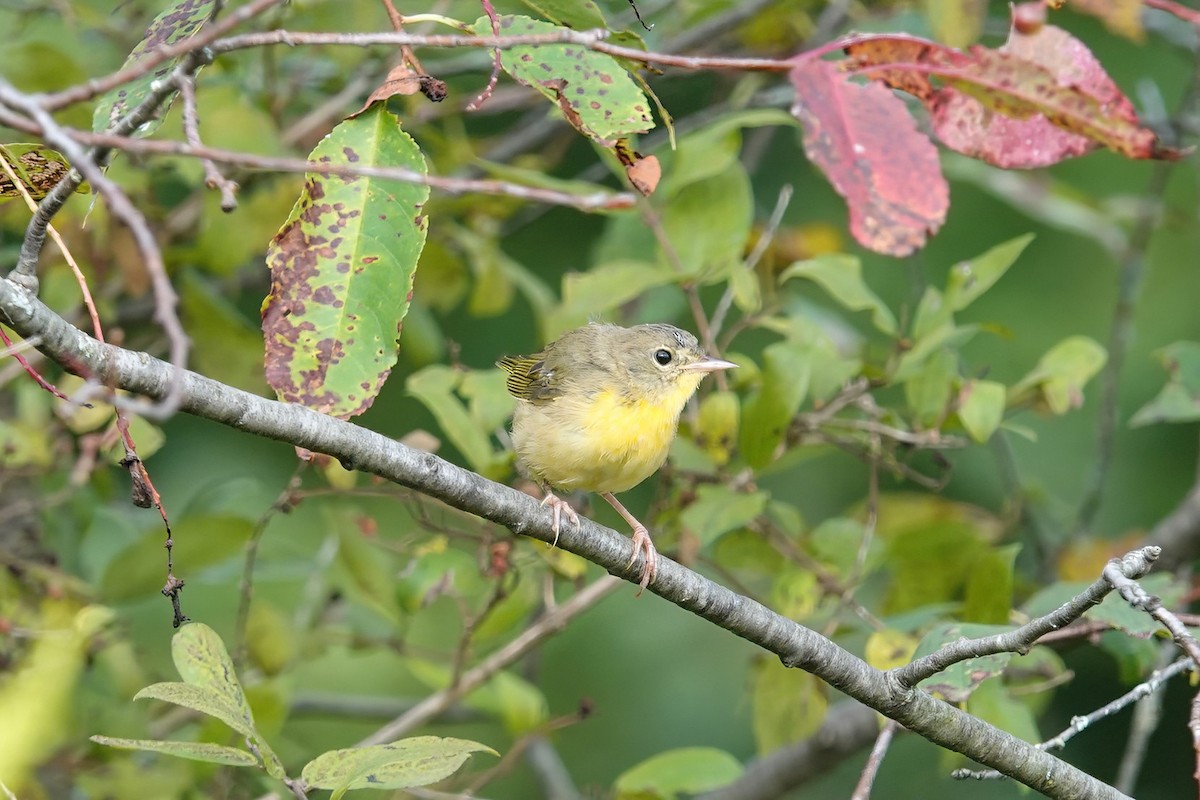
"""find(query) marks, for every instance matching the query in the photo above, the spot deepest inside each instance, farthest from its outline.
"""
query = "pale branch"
(1135, 564)
(150, 59)
(1133, 593)
(123, 209)
(597, 201)
(592, 39)
(550, 623)
(1081, 723)
(1147, 713)
(874, 761)
(847, 729)
(364, 450)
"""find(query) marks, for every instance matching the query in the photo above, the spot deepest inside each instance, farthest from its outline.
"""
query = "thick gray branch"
(367, 451)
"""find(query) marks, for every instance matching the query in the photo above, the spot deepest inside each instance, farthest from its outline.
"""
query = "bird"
(597, 410)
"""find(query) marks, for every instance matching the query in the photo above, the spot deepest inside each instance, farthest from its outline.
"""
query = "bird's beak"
(708, 364)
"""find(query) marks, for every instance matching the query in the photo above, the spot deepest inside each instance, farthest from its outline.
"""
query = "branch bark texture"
(364, 450)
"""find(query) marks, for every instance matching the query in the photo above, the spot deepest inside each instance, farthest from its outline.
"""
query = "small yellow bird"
(597, 410)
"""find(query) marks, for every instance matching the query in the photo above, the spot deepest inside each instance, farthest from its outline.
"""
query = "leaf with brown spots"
(38, 168)
(595, 93)
(863, 139)
(342, 270)
(1041, 98)
(177, 23)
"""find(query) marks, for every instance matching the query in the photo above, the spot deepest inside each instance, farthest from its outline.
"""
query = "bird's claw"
(560, 508)
(643, 545)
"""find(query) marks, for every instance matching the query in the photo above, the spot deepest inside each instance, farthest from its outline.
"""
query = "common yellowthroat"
(597, 410)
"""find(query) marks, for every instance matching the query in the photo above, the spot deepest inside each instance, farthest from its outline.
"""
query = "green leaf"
(516, 701)
(719, 509)
(715, 148)
(956, 683)
(435, 387)
(927, 391)
(990, 585)
(181, 21)
(709, 223)
(789, 705)
(195, 751)
(202, 660)
(365, 566)
(970, 279)
(769, 412)
(933, 312)
(418, 761)
(993, 703)
(981, 408)
(836, 542)
(577, 14)
(828, 368)
(686, 770)
(1179, 400)
(488, 398)
(1062, 373)
(342, 270)
(592, 90)
(200, 541)
(586, 295)
(1124, 617)
(841, 276)
(204, 699)
(945, 337)
(226, 347)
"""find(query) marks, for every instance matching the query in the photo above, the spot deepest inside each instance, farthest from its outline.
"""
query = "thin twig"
(549, 624)
(191, 131)
(150, 59)
(123, 209)
(598, 201)
(874, 761)
(1081, 723)
(1134, 565)
(751, 262)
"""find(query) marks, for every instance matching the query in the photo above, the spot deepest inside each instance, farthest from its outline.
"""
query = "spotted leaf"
(593, 91)
(342, 270)
(180, 21)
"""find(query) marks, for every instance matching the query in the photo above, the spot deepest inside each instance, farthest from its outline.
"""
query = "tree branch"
(848, 728)
(361, 449)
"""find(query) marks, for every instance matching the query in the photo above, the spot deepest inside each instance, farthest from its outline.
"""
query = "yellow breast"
(605, 442)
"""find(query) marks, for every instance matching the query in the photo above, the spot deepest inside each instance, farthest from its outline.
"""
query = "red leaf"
(1041, 98)
(863, 139)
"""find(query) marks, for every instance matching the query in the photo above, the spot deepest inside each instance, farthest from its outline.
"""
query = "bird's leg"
(561, 508)
(641, 543)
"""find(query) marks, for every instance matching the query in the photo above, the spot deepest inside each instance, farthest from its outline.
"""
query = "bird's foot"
(643, 545)
(561, 508)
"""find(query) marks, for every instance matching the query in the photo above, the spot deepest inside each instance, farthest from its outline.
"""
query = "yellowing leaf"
(981, 408)
(789, 705)
(686, 770)
(888, 649)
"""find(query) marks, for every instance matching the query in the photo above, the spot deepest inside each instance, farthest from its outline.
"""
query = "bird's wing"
(529, 377)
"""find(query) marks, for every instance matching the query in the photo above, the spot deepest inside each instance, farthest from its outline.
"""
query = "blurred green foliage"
(899, 460)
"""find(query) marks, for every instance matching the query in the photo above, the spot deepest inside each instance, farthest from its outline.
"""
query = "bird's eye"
(663, 357)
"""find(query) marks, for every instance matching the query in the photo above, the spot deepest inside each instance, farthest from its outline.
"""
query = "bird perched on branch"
(597, 410)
